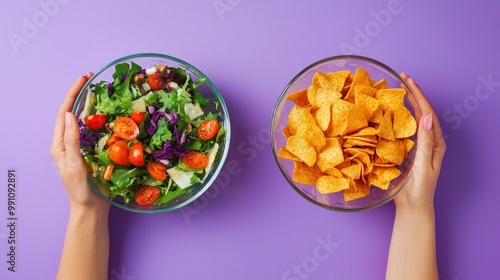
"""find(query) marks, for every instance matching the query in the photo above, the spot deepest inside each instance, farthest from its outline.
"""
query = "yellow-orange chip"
(366, 138)
(301, 148)
(369, 104)
(376, 116)
(313, 134)
(385, 174)
(297, 116)
(331, 155)
(331, 184)
(390, 98)
(365, 90)
(353, 171)
(284, 153)
(361, 77)
(404, 123)
(382, 84)
(323, 116)
(391, 151)
(367, 131)
(286, 132)
(300, 98)
(355, 120)
(355, 150)
(322, 90)
(347, 132)
(303, 174)
(385, 129)
(357, 190)
(408, 144)
(334, 172)
(357, 142)
(339, 116)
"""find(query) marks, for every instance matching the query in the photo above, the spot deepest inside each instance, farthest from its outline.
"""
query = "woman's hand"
(419, 194)
(65, 151)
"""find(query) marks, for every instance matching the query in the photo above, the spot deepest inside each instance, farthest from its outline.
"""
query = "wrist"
(95, 212)
(413, 212)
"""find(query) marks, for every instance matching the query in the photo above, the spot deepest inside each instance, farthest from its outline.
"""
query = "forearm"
(412, 253)
(86, 246)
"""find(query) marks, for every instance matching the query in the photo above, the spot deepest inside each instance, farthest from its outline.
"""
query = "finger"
(425, 147)
(439, 143)
(71, 142)
(411, 97)
(57, 141)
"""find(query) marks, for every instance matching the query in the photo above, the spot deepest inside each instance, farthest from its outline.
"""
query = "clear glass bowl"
(335, 201)
(207, 89)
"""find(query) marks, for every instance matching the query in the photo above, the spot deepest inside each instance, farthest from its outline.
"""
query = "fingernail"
(67, 119)
(428, 122)
(86, 75)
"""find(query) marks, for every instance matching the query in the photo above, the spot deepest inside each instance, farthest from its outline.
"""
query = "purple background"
(252, 224)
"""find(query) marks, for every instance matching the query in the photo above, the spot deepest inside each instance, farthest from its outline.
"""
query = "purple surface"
(252, 225)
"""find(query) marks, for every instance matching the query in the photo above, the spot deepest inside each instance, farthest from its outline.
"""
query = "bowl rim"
(273, 123)
(223, 108)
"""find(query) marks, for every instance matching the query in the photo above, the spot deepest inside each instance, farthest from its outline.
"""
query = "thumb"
(425, 145)
(71, 141)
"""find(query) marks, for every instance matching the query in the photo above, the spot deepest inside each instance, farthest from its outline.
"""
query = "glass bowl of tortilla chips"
(343, 133)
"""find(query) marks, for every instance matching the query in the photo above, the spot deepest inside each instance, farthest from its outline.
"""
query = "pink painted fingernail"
(67, 119)
(428, 122)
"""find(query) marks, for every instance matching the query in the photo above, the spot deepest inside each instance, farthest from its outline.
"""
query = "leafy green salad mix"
(147, 136)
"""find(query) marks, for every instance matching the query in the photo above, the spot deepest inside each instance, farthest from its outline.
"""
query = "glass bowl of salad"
(154, 132)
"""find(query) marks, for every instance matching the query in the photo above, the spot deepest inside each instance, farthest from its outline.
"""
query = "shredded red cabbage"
(88, 138)
(111, 89)
(170, 116)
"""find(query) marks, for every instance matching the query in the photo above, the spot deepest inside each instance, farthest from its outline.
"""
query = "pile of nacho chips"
(348, 132)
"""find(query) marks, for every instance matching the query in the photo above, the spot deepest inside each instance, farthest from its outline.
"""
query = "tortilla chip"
(385, 129)
(323, 116)
(303, 174)
(299, 97)
(297, 116)
(404, 123)
(313, 134)
(355, 120)
(302, 149)
(390, 98)
(331, 184)
(331, 154)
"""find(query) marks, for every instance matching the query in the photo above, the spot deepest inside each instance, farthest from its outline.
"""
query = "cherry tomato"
(157, 170)
(96, 121)
(208, 129)
(146, 195)
(126, 128)
(106, 175)
(195, 159)
(111, 140)
(137, 117)
(135, 154)
(155, 81)
(118, 152)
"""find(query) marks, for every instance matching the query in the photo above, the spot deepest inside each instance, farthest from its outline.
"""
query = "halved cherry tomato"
(195, 159)
(126, 128)
(208, 129)
(96, 121)
(106, 175)
(157, 170)
(111, 140)
(155, 81)
(135, 154)
(146, 195)
(137, 117)
(118, 152)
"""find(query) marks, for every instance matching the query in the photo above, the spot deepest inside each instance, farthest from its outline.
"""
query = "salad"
(147, 136)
